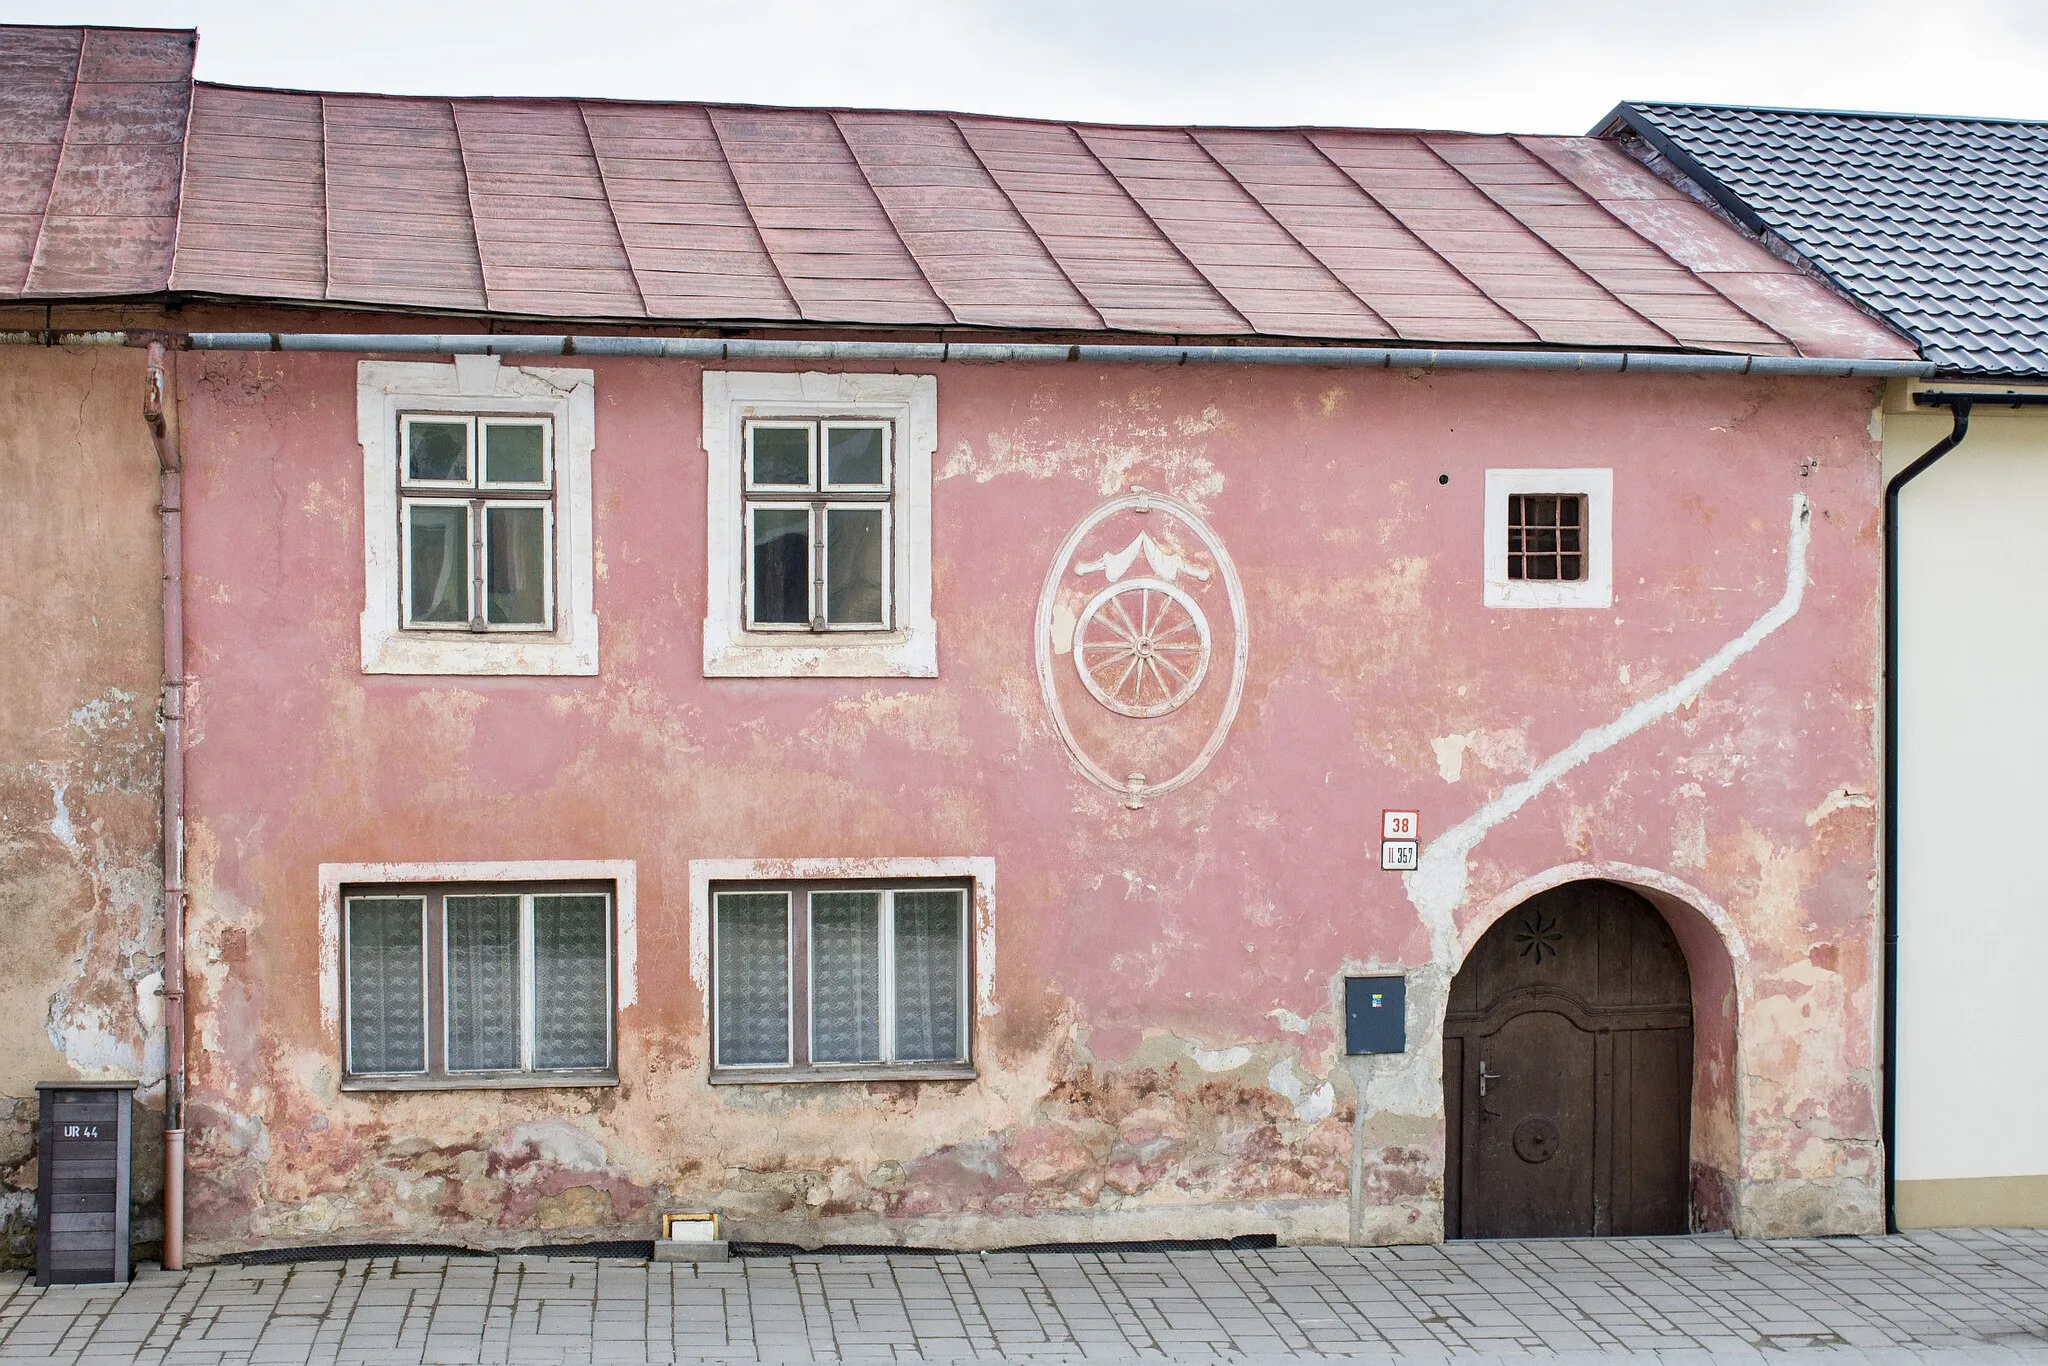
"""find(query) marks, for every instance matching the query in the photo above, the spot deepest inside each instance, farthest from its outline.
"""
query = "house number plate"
(1400, 840)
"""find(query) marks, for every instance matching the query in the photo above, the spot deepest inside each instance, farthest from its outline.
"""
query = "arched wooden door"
(1568, 1072)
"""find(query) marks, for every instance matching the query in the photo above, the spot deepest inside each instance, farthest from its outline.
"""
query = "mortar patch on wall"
(1141, 644)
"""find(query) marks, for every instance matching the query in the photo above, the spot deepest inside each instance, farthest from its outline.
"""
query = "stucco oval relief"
(1140, 644)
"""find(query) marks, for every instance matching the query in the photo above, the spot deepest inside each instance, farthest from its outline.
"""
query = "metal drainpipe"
(1959, 404)
(170, 469)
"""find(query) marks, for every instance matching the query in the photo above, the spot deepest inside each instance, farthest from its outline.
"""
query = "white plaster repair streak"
(1437, 886)
(334, 876)
(981, 871)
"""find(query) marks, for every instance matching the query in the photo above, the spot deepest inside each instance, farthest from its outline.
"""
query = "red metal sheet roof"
(122, 176)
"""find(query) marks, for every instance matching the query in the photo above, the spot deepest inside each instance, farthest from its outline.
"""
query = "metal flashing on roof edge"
(782, 349)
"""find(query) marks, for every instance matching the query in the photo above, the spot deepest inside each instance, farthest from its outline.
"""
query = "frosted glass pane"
(846, 976)
(853, 455)
(483, 983)
(438, 549)
(931, 960)
(781, 457)
(515, 453)
(782, 565)
(386, 984)
(515, 565)
(571, 982)
(855, 549)
(753, 979)
(438, 451)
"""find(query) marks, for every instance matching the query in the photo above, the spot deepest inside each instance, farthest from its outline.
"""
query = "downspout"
(1959, 405)
(170, 471)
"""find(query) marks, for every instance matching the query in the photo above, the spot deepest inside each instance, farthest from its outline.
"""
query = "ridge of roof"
(1044, 120)
(1802, 111)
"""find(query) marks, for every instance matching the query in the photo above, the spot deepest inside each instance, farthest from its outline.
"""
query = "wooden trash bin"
(83, 1169)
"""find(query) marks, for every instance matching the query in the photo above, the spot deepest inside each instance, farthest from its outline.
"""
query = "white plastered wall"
(1973, 822)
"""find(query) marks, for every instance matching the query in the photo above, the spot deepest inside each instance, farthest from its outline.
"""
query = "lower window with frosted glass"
(488, 985)
(823, 980)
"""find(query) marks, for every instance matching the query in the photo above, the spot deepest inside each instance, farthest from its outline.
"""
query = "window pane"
(853, 455)
(781, 456)
(483, 983)
(854, 555)
(438, 551)
(846, 977)
(931, 958)
(437, 450)
(386, 986)
(782, 565)
(515, 565)
(515, 453)
(753, 978)
(571, 982)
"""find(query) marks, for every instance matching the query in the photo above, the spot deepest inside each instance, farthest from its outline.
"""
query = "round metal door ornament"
(1536, 1139)
(1145, 648)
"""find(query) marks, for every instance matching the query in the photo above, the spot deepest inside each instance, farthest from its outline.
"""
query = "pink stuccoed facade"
(1155, 990)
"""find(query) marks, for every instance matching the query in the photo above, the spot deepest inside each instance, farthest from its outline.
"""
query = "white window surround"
(334, 876)
(911, 402)
(1596, 486)
(981, 914)
(477, 384)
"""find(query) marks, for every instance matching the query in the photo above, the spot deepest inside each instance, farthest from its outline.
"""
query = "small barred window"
(1547, 537)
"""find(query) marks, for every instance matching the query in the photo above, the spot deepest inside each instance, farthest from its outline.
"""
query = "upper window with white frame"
(819, 525)
(479, 555)
(477, 499)
(1549, 538)
(839, 979)
(819, 534)
(483, 985)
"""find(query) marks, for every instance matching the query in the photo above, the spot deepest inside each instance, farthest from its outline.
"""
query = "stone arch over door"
(1569, 1066)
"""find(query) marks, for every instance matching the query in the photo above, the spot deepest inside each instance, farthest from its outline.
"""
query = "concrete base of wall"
(1807, 1209)
(1974, 1202)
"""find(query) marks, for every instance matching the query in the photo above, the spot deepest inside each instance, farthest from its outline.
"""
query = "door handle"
(1485, 1077)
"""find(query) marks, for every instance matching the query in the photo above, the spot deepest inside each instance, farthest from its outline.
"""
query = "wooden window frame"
(479, 496)
(437, 1075)
(820, 496)
(799, 1067)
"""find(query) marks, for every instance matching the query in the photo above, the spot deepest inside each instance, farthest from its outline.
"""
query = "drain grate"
(644, 1250)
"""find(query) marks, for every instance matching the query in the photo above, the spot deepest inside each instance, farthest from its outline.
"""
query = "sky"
(1536, 66)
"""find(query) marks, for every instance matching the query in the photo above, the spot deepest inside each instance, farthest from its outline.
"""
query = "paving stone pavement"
(1961, 1296)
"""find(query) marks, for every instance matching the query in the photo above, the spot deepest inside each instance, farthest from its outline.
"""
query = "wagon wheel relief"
(1143, 644)
(1142, 647)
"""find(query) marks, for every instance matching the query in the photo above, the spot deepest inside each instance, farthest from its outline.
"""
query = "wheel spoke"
(1159, 661)
(1131, 631)
(1118, 690)
(1184, 624)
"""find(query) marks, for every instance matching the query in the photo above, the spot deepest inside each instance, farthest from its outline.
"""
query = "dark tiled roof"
(126, 177)
(1940, 224)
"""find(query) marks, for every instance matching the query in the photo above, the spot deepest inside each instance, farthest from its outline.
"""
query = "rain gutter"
(1959, 403)
(920, 352)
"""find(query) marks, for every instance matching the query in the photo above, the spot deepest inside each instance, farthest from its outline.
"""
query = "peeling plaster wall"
(1164, 1057)
(81, 940)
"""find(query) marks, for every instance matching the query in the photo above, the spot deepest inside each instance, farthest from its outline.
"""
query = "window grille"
(1547, 537)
